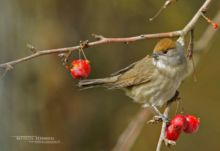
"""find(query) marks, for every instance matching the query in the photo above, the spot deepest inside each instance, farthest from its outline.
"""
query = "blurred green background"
(39, 97)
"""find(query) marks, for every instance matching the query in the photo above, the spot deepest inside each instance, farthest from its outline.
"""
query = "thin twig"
(195, 18)
(32, 48)
(206, 37)
(163, 128)
(7, 68)
(204, 42)
(190, 52)
(166, 3)
(164, 124)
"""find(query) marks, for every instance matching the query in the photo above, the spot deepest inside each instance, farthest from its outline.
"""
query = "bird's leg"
(159, 117)
(174, 98)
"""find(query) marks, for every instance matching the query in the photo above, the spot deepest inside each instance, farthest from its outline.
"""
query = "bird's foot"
(159, 116)
(158, 119)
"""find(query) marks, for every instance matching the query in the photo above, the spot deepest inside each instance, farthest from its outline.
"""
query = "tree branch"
(163, 128)
(162, 137)
(195, 18)
(100, 41)
(104, 40)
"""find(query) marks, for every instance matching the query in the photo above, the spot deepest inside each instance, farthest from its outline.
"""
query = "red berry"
(175, 127)
(179, 121)
(172, 132)
(192, 124)
(215, 25)
(80, 68)
(77, 73)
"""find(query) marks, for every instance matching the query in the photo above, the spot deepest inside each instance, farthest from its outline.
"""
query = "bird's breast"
(157, 91)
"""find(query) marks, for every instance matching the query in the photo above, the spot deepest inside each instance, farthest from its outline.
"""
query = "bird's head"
(168, 52)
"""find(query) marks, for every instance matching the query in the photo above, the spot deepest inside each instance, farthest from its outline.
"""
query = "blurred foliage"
(39, 97)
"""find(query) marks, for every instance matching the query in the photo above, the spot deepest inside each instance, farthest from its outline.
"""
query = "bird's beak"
(155, 55)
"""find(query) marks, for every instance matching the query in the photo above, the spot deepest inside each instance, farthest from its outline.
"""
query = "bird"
(153, 80)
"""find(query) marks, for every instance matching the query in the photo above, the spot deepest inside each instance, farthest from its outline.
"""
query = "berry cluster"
(181, 123)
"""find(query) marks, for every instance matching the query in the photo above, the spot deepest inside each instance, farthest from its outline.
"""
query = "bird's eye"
(165, 51)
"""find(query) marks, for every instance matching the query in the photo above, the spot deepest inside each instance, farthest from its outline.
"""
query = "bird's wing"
(140, 73)
(124, 69)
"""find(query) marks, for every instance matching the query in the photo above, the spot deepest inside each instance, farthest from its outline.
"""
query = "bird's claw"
(157, 119)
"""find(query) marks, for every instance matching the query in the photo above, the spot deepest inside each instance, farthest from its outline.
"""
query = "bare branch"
(163, 128)
(164, 124)
(6, 68)
(32, 48)
(91, 44)
(195, 18)
(201, 46)
(206, 37)
(166, 3)
(103, 40)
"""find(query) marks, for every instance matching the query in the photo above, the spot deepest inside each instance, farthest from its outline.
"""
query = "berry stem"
(206, 18)
(214, 24)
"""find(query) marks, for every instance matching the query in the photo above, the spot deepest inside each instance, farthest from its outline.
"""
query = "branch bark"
(104, 40)
(163, 128)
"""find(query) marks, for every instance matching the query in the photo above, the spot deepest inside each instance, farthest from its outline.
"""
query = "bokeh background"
(39, 97)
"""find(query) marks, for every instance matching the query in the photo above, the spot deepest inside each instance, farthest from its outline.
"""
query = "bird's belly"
(156, 92)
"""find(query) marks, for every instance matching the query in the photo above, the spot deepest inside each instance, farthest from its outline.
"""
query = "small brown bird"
(152, 80)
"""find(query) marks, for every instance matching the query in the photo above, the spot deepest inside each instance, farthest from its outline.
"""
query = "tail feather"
(90, 83)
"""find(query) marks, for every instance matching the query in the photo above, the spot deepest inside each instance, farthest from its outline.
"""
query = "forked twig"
(104, 40)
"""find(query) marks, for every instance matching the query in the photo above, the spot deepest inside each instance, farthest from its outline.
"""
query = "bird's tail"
(90, 83)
